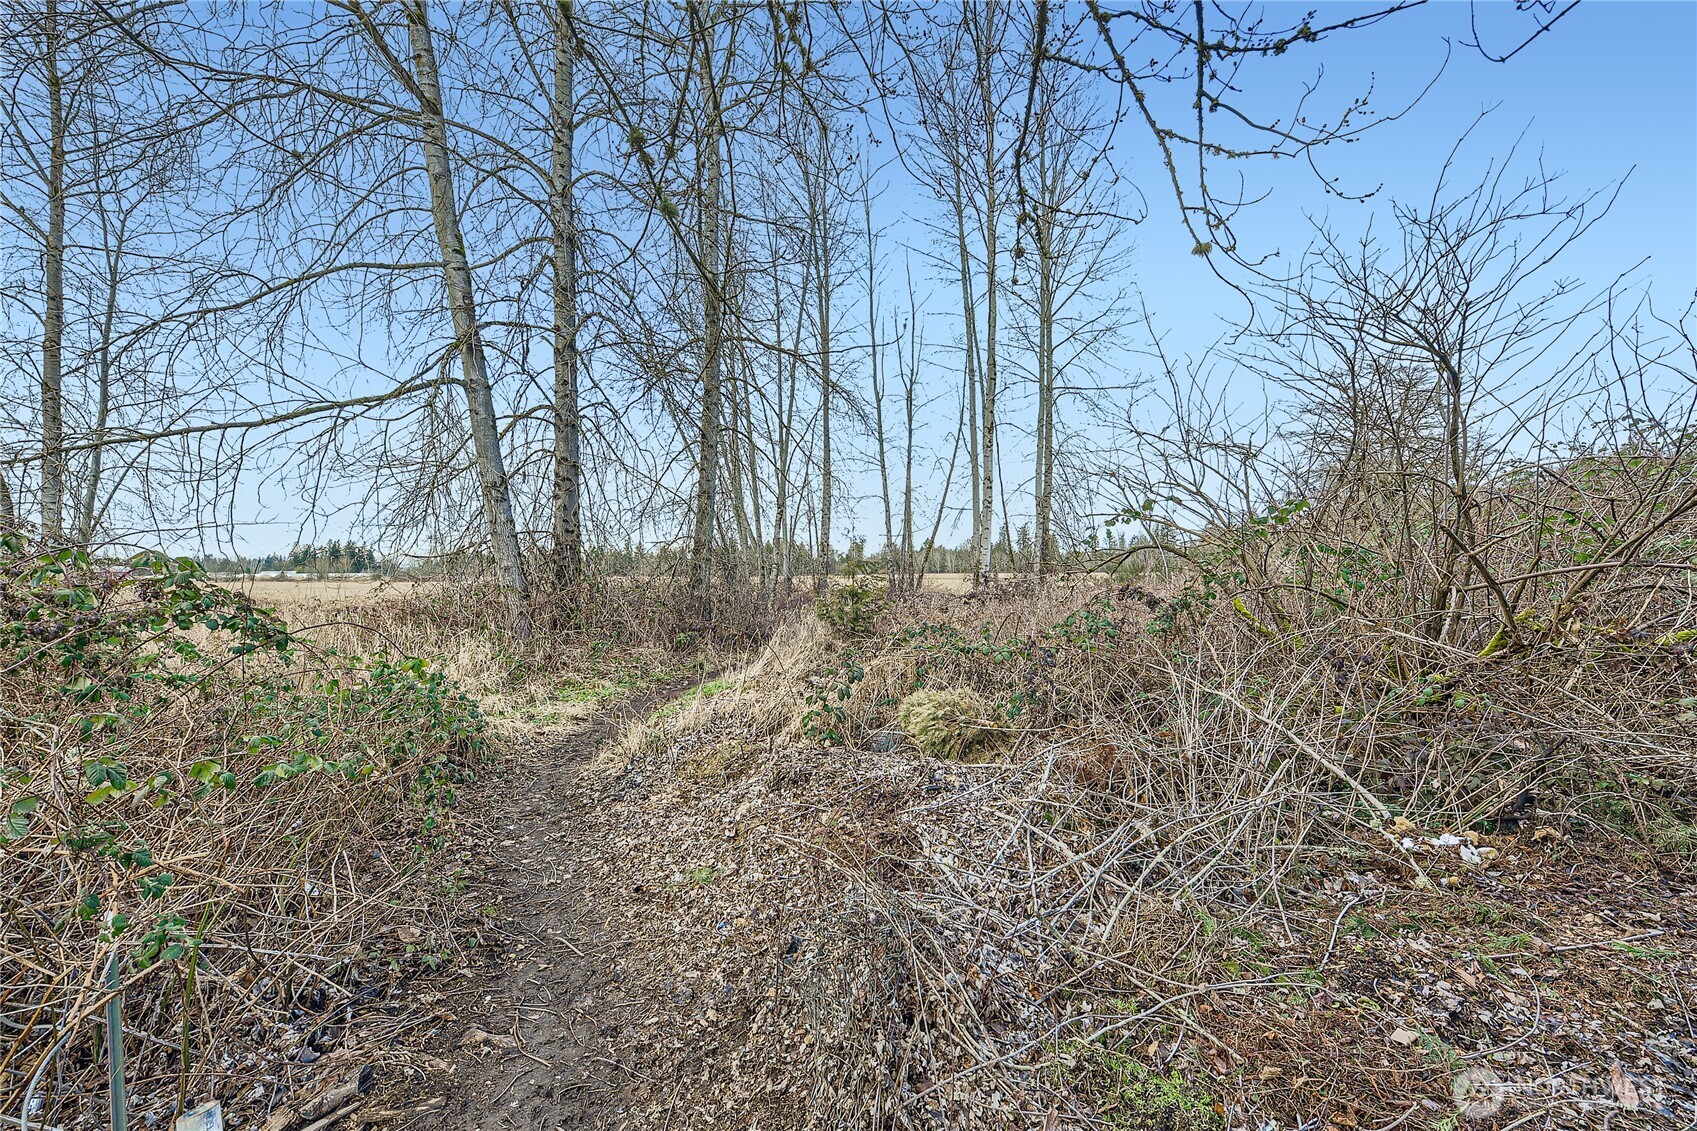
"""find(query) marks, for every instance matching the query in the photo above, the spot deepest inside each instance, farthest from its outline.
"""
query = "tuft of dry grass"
(944, 723)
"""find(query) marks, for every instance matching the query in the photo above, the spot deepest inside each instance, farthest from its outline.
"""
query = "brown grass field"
(273, 591)
(349, 590)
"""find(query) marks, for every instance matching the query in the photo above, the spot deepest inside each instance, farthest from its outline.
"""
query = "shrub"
(852, 609)
(182, 776)
(944, 723)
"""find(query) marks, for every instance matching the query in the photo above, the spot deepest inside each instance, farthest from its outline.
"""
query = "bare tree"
(874, 351)
(53, 286)
(101, 306)
(710, 255)
(824, 246)
(1467, 298)
(424, 83)
(568, 443)
(964, 78)
(1072, 225)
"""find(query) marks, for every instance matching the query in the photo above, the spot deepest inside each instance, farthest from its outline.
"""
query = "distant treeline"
(332, 557)
(1013, 554)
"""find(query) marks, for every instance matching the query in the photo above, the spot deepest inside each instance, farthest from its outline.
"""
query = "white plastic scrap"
(1476, 855)
(206, 1117)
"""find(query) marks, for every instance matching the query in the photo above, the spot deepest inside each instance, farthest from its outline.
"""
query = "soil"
(604, 981)
(530, 1025)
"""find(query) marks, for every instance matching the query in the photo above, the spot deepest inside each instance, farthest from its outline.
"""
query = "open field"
(334, 591)
(271, 591)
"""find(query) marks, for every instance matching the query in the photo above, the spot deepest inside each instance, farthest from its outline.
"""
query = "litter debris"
(206, 1117)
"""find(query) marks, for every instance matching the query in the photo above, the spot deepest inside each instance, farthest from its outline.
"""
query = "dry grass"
(359, 590)
(1229, 822)
(1175, 888)
(324, 591)
(226, 830)
(948, 583)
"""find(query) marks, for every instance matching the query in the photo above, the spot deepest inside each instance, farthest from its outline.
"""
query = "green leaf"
(154, 887)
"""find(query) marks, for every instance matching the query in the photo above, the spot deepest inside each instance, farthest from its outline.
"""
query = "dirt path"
(531, 1024)
(624, 957)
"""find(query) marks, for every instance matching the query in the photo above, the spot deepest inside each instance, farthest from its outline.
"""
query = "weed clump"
(1133, 1097)
(947, 723)
(853, 609)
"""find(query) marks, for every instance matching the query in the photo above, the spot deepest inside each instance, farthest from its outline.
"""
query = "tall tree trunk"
(737, 472)
(456, 269)
(707, 463)
(1043, 554)
(786, 397)
(891, 563)
(825, 556)
(1044, 477)
(819, 222)
(8, 509)
(992, 210)
(969, 317)
(910, 378)
(1046, 556)
(53, 321)
(88, 513)
(748, 457)
(910, 579)
(568, 445)
(781, 518)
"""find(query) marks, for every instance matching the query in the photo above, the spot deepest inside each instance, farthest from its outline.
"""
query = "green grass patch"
(583, 691)
(694, 695)
(1129, 1096)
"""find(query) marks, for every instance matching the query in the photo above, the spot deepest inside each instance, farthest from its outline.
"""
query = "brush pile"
(1268, 842)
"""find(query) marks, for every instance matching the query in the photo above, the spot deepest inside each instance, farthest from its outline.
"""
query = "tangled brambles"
(946, 723)
(221, 815)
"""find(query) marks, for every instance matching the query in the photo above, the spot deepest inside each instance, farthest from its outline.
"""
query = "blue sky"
(1612, 89)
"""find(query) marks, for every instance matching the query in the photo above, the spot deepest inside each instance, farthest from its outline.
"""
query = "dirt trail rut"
(639, 952)
(528, 1026)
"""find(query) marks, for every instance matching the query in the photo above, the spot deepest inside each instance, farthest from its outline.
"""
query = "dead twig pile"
(1173, 899)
